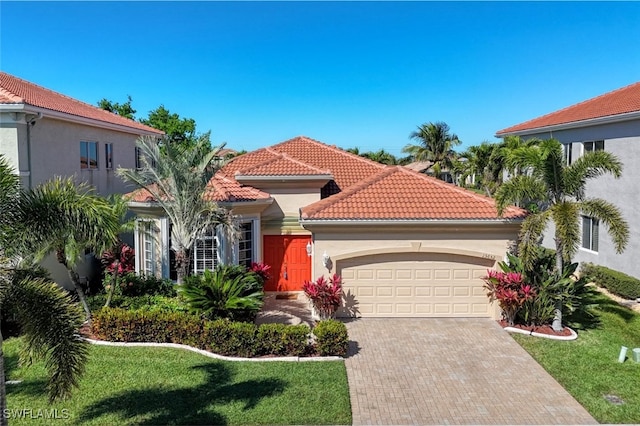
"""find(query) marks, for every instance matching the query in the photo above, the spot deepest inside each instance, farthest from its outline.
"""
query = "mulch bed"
(542, 329)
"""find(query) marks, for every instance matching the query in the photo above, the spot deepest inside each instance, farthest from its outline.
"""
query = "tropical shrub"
(331, 338)
(510, 290)
(148, 302)
(261, 269)
(616, 282)
(282, 339)
(221, 336)
(325, 295)
(230, 291)
(132, 284)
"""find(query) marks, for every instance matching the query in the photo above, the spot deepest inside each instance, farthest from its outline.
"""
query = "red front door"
(290, 264)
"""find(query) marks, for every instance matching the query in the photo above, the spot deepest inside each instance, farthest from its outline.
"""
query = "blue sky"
(359, 74)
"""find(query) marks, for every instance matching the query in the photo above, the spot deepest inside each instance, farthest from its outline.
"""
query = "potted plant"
(325, 296)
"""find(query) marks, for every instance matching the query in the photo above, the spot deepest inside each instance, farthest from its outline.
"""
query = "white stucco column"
(136, 245)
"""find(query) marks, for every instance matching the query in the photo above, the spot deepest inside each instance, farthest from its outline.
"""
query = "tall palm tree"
(67, 219)
(558, 191)
(48, 316)
(435, 144)
(177, 179)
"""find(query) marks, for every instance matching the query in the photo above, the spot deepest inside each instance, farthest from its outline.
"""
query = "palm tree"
(558, 191)
(478, 162)
(177, 179)
(435, 144)
(62, 218)
(381, 156)
(48, 316)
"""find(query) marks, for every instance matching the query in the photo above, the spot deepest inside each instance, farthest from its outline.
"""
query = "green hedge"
(616, 282)
(331, 338)
(221, 336)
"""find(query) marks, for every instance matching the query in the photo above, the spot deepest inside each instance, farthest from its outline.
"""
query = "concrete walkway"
(449, 371)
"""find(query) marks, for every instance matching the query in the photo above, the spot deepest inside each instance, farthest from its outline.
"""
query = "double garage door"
(415, 285)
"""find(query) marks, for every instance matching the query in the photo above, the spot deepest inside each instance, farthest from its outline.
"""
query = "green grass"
(588, 367)
(173, 386)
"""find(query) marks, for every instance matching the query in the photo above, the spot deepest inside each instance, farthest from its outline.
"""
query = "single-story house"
(608, 122)
(406, 244)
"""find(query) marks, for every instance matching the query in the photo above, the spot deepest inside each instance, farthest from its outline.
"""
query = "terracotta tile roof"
(396, 193)
(347, 169)
(280, 165)
(14, 90)
(220, 188)
(621, 101)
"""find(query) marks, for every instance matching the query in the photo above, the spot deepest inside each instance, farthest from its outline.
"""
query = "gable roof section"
(220, 189)
(616, 103)
(280, 164)
(398, 194)
(347, 169)
(15, 91)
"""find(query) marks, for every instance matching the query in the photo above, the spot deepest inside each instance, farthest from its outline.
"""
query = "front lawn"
(172, 386)
(588, 368)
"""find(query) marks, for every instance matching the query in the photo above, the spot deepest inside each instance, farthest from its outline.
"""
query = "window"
(148, 248)
(245, 244)
(205, 254)
(590, 233)
(88, 155)
(567, 153)
(593, 146)
(138, 158)
(108, 156)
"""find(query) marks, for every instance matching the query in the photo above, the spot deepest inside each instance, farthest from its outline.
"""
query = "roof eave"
(23, 107)
(284, 178)
(408, 222)
(574, 124)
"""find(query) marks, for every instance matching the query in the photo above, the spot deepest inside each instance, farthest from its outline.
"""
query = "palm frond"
(565, 215)
(518, 190)
(611, 216)
(50, 321)
(530, 236)
(589, 166)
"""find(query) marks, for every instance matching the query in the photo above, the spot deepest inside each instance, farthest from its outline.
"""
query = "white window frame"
(568, 147)
(108, 156)
(593, 243)
(206, 256)
(148, 248)
(85, 150)
(252, 241)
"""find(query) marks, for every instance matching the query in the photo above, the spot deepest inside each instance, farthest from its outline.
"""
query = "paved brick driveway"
(450, 371)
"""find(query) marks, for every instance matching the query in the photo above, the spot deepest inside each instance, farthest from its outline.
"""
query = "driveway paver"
(449, 371)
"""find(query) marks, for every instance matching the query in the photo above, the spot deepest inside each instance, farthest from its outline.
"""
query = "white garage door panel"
(416, 285)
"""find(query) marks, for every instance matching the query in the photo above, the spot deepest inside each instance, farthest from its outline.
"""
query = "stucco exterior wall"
(55, 150)
(622, 140)
(483, 242)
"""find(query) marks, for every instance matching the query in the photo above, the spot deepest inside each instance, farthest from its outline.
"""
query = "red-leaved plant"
(261, 269)
(509, 289)
(325, 295)
(118, 261)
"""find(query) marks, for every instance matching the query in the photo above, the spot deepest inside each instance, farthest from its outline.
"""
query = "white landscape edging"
(573, 336)
(212, 355)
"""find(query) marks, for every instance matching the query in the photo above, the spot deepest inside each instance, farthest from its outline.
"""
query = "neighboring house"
(608, 122)
(407, 245)
(45, 134)
(426, 167)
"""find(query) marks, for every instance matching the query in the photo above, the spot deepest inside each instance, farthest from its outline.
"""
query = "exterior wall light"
(326, 259)
(309, 249)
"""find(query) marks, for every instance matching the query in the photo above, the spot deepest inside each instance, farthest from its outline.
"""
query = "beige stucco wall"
(487, 243)
(55, 151)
